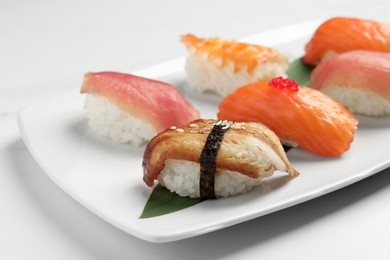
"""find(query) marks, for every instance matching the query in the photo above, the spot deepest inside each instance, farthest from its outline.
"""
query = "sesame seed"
(179, 130)
(236, 126)
(193, 125)
(173, 127)
(194, 131)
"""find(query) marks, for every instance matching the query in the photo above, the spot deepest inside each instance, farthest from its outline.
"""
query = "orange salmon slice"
(305, 117)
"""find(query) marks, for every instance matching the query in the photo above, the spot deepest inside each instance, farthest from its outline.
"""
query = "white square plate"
(107, 178)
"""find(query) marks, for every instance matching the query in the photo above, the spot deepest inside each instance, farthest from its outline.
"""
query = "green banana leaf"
(162, 202)
(300, 72)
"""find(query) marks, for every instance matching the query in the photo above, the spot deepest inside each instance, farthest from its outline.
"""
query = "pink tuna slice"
(365, 70)
(158, 103)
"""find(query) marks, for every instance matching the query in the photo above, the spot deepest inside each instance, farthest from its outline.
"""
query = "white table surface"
(42, 42)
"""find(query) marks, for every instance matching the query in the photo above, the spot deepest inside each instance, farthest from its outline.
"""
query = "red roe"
(281, 83)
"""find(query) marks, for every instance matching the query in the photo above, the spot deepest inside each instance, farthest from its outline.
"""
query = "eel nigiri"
(298, 115)
(222, 66)
(359, 80)
(128, 108)
(340, 34)
(211, 159)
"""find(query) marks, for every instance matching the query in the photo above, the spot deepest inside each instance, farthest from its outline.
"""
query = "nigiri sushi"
(359, 80)
(222, 66)
(128, 108)
(211, 159)
(298, 115)
(341, 34)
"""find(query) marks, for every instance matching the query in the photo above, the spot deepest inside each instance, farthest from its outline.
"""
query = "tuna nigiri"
(298, 115)
(128, 108)
(222, 66)
(359, 80)
(339, 35)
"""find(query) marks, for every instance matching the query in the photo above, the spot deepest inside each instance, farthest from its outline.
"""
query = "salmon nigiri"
(359, 80)
(128, 108)
(298, 115)
(339, 35)
(222, 66)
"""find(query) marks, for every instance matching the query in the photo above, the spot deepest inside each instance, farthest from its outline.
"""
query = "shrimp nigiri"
(298, 115)
(339, 35)
(222, 66)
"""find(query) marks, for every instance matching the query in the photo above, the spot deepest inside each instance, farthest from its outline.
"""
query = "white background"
(47, 41)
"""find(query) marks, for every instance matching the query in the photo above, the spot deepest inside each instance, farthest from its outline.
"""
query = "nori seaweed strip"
(286, 148)
(208, 158)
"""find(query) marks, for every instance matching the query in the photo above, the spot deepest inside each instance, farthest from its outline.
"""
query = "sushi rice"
(182, 177)
(359, 101)
(204, 75)
(108, 120)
